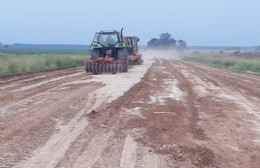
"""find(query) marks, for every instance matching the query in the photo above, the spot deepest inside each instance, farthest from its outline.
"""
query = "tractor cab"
(107, 43)
(106, 39)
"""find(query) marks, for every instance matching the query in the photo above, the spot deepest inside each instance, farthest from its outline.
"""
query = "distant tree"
(165, 36)
(166, 41)
(258, 48)
(182, 44)
(153, 42)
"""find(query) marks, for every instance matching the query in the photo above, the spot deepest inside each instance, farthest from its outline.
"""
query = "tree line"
(167, 41)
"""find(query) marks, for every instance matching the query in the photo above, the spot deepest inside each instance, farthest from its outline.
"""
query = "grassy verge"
(17, 63)
(226, 61)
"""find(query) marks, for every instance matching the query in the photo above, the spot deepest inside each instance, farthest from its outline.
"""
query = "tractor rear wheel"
(123, 55)
(139, 60)
(94, 54)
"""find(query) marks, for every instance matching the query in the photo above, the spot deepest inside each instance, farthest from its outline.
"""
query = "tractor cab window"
(106, 39)
(96, 38)
(129, 42)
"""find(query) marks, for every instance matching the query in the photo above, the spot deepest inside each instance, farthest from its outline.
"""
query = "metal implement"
(104, 65)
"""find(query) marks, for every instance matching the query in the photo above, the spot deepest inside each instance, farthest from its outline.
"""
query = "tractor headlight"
(96, 45)
(120, 45)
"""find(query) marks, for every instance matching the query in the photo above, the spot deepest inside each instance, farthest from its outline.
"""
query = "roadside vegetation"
(24, 61)
(229, 61)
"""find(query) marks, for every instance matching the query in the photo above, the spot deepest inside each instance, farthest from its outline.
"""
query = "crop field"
(24, 61)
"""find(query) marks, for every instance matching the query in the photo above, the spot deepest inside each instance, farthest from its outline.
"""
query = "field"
(165, 113)
(241, 62)
(24, 61)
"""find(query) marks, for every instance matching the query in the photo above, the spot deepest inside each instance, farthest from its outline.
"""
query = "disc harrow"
(104, 65)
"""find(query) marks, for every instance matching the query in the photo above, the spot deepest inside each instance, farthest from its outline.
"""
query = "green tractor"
(108, 53)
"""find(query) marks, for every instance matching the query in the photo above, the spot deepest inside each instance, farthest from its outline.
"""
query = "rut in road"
(55, 148)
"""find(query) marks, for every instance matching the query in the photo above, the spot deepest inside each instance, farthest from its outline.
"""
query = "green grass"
(226, 61)
(19, 63)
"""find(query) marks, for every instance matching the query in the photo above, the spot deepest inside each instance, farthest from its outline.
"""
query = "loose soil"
(163, 114)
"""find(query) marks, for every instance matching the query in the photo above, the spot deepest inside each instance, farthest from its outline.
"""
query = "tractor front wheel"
(123, 56)
(139, 60)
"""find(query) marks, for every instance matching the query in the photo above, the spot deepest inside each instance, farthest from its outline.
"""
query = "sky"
(199, 22)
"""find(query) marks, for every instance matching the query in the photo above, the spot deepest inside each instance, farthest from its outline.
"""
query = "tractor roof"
(131, 37)
(108, 31)
(135, 37)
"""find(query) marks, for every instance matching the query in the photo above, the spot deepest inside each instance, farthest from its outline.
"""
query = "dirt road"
(166, 113)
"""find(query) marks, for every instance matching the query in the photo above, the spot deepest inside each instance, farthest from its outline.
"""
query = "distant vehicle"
(132, 48)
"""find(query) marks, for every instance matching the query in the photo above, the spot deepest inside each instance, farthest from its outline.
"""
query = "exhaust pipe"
(122, 33)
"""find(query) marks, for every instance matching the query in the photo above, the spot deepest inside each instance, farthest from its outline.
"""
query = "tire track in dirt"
(135, 155)
(55, 147)
(29, 77)
(93, 152)
(9, 98)
(67, 128)
(248, 100)
(129, 153)
(228, 78)
(227, 99)
(136, 94)
(29, 130)
(194, 131)
(58, 143)
(46, 82)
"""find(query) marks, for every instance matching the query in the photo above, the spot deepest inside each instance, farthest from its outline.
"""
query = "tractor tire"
(94, 54)
(139, 60)
(119, 68)
(86, 67)
(107, 67)
(95, 68)
(123, 55)
(114, 68)
(100, 68)
(104, 68)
